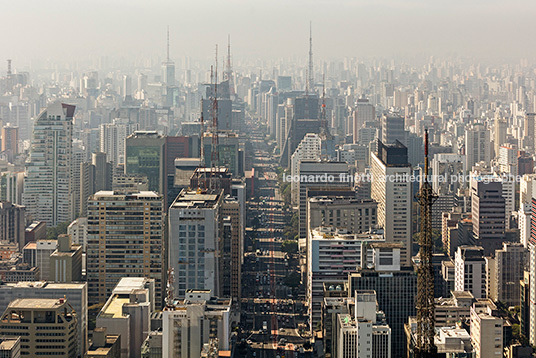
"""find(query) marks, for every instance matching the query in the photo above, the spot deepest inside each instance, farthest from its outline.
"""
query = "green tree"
(293, 279)
(60, 229)
(289, 246)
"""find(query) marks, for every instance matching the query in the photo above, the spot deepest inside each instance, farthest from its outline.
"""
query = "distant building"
(10, 347)
(76, 294)
(391, 189)
(12, 223)
(127, 313)
(112, 219)
(353, 215)
(32, 316)
(488, 213)
(104, 345)
(66, 261)
(486, 330)
(188, 324)
(471, 271)
(77, 230)
(404, 283)
(45, 248)
(47, 189)
(509, 267)
(194, 235)
(363, 332)
(145, 154)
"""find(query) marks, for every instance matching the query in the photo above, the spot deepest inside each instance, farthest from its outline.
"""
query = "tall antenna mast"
(9, 68)
(229, 72)
(167, 44)
(425, 304)
(311, 75)
(215, 153)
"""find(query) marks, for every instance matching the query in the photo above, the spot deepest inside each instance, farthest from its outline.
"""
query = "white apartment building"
(391, 189)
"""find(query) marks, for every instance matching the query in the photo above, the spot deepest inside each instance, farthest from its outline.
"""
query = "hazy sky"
(269, 29)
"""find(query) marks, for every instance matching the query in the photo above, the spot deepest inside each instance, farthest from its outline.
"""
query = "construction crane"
(424, 345)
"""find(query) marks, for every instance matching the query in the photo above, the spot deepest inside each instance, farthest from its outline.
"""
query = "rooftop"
(115, 307)
(36, 303)
(194, 199)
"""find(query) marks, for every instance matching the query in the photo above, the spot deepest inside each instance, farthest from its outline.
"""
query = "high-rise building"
(470, 271)
(499, 136)
(190, 323)
(47, 191)
(77, 230)
(113, 137)
(364, 111)
(76, 294)
(391, 189)
(33, 316)
(397, 311)
(477, 145)
(125, 239)
(66, 261)
(103, 172)
(45, 248)
(488, 213)
(145, 154)
(309, 149)
(12, 223)
(127, 313)
(363, 332)
(354, 215)
(326, 248)
(228, 153)
(323, 176)
(194, 235)
(508, 159)
(446, 169)
(392, 129)
(10, 141)
(509, 269)
(231, 248)
(104, 345)
(10, 347)
(486, 330)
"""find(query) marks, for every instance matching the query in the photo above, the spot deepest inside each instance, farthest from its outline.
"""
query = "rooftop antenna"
(168, 44)
(311, 75)
(229, 72)
(9, 67)
(170, 291)
(215, 154)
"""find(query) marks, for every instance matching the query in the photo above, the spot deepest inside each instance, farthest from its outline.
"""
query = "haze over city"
(73, 31)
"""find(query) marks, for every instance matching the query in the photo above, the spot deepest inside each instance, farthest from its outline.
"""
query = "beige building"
(125, 239)
(486, 330)
(104, 345)
(354, 215)
(66, 261)
(127, 313)
(190, 323)
(39, 319)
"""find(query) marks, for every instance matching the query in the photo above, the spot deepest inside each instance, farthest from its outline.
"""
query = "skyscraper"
(125, 239)
(145, 154)
(392, 127)
(194, 233)
(477, 145)
(391, 189)
(47, 190)
(488, 213)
